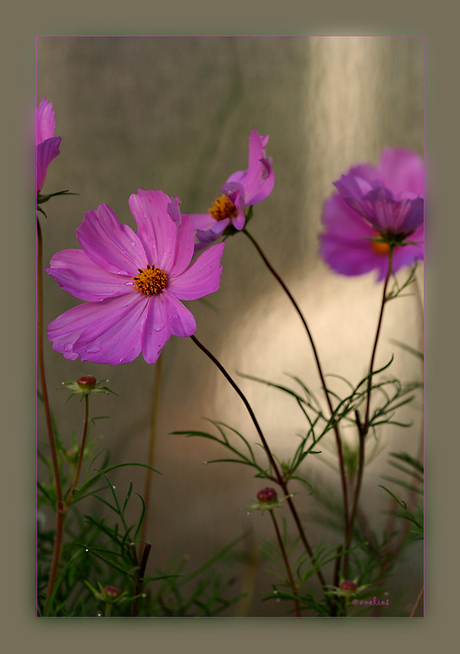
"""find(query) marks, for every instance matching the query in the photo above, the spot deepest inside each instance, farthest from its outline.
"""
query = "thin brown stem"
(363, 428)
(49, 423)
(152, 441)
(286, 563)
(338, 441)
(278, 477)
(416, 605)
(81, 454)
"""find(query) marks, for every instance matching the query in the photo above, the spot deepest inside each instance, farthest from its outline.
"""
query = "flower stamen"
(150, 281)
(223, 208)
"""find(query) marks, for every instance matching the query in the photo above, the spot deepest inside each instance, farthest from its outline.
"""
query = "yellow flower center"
(379, 247)
(223, 208)
(150, 281)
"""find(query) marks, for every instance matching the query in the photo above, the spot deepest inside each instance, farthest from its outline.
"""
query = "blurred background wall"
(175, 113)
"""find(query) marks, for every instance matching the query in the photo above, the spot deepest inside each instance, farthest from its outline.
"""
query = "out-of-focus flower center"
(223, 208)
(150, 281)
(378, 246)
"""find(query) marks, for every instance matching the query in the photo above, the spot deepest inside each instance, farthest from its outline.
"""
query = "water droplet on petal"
(93, 349)
(68, 347)
(133, 245)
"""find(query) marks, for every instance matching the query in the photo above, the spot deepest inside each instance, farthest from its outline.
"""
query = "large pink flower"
(374, 209)
(132, 283)
(47, 145)
(241, 190)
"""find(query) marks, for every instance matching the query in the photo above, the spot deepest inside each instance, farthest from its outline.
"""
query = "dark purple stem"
(278, 477)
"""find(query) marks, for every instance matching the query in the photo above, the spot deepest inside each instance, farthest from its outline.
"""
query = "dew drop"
(86, 550)
(133, 245)
(68, 347)
(113, 486)
(99, 614)
(276, 592)
(205, 463)
(386, 592)
(247, 513)
(144, 595)
(93, 349)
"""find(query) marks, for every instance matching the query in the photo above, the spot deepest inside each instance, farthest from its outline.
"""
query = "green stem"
(49, 423)
(338, 441)
(286, 563)
(278, 477)
(139, 575)
(151, 453)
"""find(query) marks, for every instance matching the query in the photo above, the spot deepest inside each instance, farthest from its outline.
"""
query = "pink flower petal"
(112, 246)
(202, 278)
(114, 332)
(402, 171)
(45, 153)
(181, 321)
(202, 221)
(65, 330)
(149, 209)
(45, 121)
(157, 330)
(185, 244)
(77, 274)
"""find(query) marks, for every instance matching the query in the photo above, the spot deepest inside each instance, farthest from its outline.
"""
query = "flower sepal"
(86, 385)
(267, 500)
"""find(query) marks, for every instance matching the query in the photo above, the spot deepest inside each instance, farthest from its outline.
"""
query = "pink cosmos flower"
(241, 190)
(383, 203)
(47, 145)
(132, 283)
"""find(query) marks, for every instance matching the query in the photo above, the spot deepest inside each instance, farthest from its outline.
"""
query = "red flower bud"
(267, 495)
(348, 585)
(87, 382)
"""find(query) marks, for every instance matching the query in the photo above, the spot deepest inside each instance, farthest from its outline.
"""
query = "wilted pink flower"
(375, 208)
(132, 283)
(241, 190)
(47, 145)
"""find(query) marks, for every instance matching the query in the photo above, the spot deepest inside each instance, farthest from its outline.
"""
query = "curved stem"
(151, 453)
(278, 477)
(338, 441)
(81, 454)
(286, 562)
(363, 428)
(49, 423)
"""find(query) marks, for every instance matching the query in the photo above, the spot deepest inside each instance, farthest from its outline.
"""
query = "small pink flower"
(132, 283)
(241, 190)
(47, 145)
(384, 203)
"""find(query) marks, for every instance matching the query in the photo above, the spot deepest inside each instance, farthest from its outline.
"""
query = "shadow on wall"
(175, 114)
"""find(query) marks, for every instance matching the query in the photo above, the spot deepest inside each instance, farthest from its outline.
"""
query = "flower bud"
(87, 382)
(111, 591)
(348, 586)
(267, 496)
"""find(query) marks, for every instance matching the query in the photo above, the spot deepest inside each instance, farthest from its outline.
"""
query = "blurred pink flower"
(241, 190)
(132, 283)
(47, 145)
(384, 203)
